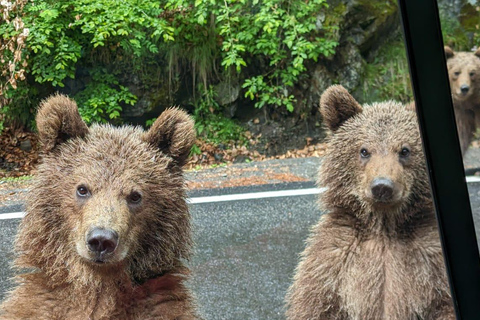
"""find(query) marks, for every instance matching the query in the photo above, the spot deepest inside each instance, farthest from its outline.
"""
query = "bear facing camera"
(375, 253)
(107, 226)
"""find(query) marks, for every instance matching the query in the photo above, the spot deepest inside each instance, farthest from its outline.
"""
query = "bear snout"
(101, 242)
(464, 89)
(382, 189)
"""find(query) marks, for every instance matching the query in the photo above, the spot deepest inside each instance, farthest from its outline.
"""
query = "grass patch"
(16, 179)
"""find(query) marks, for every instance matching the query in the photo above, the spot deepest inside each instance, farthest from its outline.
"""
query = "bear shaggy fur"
(464, 75)
(376, 253)
(107, 224)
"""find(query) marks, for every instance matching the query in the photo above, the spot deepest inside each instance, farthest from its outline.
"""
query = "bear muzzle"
(463, 92)
(384, 190)
(464, 89)
(101, 243)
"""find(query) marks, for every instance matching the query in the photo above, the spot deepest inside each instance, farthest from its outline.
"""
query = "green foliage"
(243, 34)
(64, 31)
(19, 111)
(195, 150)
(101, 100)
(107, 43)
(212, 125)
(150, 122)
(453, 33)
(282, 34)
(54, 51)
(16, 179)
(94, 35)
(217, 129)
(387, 77)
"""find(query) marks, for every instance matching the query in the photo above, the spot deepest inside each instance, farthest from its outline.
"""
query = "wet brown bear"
(107, 224)
(464, 74)
(376, 253)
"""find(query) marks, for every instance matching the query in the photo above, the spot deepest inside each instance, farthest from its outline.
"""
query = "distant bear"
(376, 253)
(107, 223)
(464, 74)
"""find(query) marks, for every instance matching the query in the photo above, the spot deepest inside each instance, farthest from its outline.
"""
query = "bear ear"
(173, 133)
(477, 53)
(337, 106)
(58, 120)
(449, 53)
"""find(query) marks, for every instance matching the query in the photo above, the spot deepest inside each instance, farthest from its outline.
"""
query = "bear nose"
(464, 88)
(382, 189)
(102, 241)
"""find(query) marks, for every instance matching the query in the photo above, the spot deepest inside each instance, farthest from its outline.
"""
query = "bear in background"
(464, 75)
(107, 225)
(375, 253)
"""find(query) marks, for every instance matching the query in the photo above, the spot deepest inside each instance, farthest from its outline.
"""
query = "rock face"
(363, 27)
(227, 93)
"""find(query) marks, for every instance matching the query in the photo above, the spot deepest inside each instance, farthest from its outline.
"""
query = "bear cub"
(375, 253)
(107, 226)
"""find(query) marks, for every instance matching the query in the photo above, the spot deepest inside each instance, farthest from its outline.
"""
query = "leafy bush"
(243, 34)
(100, 101)
(281, 33)
(174, 43)
(63, 35)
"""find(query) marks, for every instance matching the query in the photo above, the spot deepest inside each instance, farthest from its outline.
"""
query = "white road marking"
(236, 197)
(12, 215)
(473, 179)
(256, 195)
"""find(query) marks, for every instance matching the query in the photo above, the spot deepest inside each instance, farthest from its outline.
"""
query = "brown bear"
(376, 253)
(464, 75)
(107, 226)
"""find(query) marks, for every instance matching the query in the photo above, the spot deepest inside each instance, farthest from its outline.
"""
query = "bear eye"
(364, 153)
(405, 152)
(472, 74)
(457, 73)
(135, 197)
(82, 191)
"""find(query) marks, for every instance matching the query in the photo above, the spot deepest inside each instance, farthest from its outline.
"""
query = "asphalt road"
(246, 254)
(246, 250)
